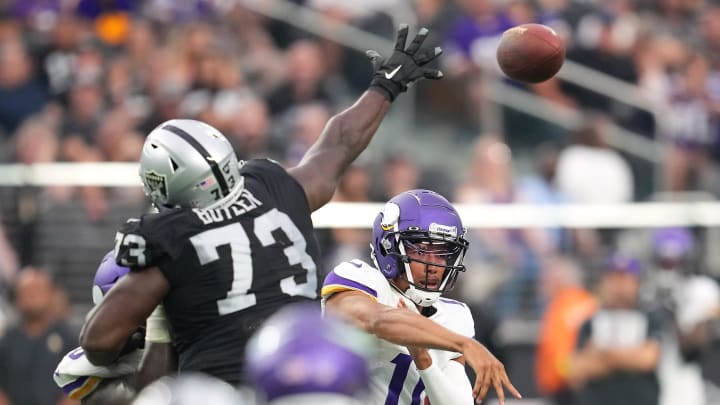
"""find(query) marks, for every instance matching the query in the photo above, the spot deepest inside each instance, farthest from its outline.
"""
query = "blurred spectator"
(110, 18)
(33, 10)
(35, 142)
(671, 260)
(678, 18)
(9, 265)
(249, 129)
(690, 130)
(20, 93)
(590, 172)
(217, 86)
(490, 182)
(619, 347)
(85, 111)
(399, 174)
(539, 188)
(351, 243)
(372, 16)
(306, 124)
(166, 97)
(306, 78)
(117, 140)
(710, 32)
(474, 36)
(569, 306)
(604, 40)
(56, 58)
(173, 12)
(691, 302)
(31, 350)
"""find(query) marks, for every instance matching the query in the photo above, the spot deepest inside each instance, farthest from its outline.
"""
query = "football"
(530, 53)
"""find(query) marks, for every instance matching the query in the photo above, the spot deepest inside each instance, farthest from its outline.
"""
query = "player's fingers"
(497, 385)
(375, 58)
(402, 34)
(478, 383)
(417, 41)
(511, 388)
(428, 55)
(433, 74)
(372, 54)
(486, 382)
(483, 391)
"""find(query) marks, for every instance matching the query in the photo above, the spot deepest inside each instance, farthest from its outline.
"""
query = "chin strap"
(419, 297)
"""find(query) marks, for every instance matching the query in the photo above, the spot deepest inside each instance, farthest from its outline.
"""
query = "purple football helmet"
(299, 353)
(107, 274)
(424, 221)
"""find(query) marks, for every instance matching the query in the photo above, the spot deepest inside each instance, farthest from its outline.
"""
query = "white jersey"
(77, 377)
(697, 300)
(394, 377)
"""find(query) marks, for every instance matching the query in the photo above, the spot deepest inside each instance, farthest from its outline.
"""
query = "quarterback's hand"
(489, 370)
(405, 66)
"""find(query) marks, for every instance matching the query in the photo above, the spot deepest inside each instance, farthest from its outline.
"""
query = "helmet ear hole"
(386, 246)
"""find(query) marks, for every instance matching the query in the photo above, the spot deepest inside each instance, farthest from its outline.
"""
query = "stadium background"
(631, 118)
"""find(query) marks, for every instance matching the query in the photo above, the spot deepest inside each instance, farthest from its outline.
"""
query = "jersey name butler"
(229, 268)
(247, 202)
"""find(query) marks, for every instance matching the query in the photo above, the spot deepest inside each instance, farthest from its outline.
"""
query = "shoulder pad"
(355, 275)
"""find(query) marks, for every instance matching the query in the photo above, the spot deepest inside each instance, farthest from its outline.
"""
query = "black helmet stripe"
(201, 149)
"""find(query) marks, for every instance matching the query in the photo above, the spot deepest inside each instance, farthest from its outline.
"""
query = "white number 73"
(206, 244)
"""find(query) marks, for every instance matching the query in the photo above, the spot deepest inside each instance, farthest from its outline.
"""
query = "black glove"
(405, 65)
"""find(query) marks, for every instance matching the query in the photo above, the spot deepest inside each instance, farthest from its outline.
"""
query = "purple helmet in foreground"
(107, 274)
(298, 355)
(426, 222)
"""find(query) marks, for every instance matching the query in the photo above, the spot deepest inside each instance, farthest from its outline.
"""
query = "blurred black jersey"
(229, 268)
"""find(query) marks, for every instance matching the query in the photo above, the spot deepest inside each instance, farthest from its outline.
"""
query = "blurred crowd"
(85, 80)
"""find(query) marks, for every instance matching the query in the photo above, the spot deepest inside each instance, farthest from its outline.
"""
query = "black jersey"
(228, 268)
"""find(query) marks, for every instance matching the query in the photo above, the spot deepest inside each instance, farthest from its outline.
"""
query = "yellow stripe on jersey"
(82, 391)
(331, 289)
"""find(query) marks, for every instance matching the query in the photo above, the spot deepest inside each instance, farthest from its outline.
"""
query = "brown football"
(530, 53)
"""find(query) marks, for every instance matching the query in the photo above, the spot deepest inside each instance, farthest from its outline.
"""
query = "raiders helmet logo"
(157, 184)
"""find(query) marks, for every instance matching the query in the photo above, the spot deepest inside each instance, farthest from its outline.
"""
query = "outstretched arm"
(446, 385)
(408, 328)
(345, 136)
(126, 306)
(348, 133)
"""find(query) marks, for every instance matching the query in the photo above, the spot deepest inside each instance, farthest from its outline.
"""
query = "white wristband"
(156, 327)
(447, 386)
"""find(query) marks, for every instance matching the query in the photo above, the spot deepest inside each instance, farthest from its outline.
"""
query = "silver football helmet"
(188, 163)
